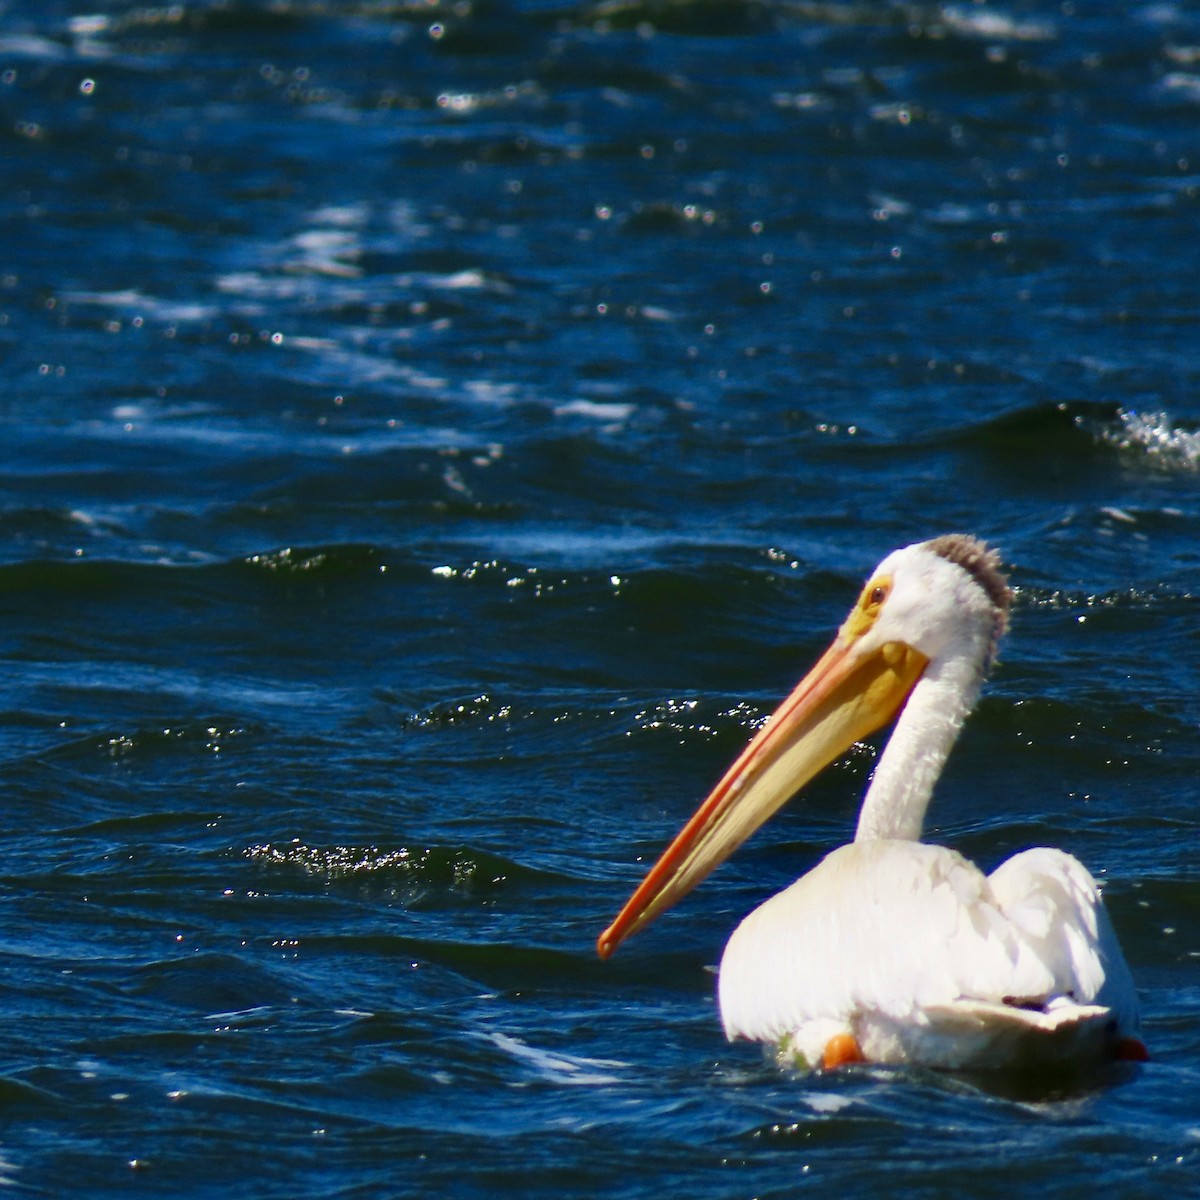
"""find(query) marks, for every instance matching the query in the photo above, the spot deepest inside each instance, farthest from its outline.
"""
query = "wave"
(1150, 437)
(412, 871)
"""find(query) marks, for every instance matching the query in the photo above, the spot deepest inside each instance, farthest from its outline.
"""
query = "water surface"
(434, 437)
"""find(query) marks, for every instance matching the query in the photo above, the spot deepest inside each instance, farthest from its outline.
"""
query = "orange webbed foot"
(841, 1050)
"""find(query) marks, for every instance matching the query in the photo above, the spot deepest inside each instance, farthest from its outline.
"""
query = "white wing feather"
(1055, 907)
(921, 957)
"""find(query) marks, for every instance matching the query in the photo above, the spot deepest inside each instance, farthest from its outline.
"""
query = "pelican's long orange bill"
(848, 694)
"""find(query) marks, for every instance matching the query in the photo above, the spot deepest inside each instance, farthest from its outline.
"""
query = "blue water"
(434, 437)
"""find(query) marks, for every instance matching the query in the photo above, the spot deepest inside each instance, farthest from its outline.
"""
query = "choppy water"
(433, 437)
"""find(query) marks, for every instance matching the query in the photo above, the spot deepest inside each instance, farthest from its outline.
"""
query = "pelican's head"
(925, 607)
(942, 598)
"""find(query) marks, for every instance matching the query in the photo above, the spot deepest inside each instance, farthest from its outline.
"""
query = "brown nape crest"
(983, 565)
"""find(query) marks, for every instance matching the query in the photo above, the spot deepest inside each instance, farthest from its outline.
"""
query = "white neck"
(912, 760)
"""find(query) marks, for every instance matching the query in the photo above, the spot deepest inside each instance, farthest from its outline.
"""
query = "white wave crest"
(1154, 435)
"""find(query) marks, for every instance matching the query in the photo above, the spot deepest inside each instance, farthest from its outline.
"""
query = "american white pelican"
(890, 950)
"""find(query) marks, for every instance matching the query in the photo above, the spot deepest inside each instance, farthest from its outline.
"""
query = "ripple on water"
(406, 873)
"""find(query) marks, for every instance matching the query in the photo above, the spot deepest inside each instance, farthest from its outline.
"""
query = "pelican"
(891, 950)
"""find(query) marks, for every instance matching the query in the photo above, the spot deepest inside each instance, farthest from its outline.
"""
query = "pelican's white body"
(921, 958)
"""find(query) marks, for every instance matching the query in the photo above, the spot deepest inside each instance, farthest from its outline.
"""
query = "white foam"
(986, 23)
(562, 1068)
(594, 410)
(1152, 433)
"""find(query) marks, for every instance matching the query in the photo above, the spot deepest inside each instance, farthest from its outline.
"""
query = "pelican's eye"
(874, 594)
(870, 605)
